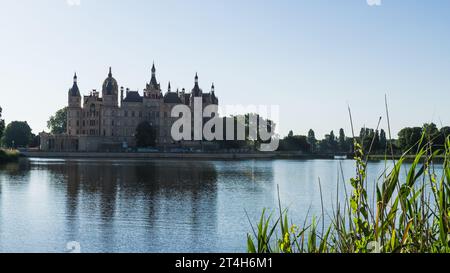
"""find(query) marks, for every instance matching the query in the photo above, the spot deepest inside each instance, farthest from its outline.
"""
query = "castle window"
(78, 123)
(132, 114)
(112, 122)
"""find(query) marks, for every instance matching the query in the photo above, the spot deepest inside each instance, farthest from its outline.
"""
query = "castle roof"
(196, 91)
(110, 84)
(171, 97)
(75, 91)
(133, 96)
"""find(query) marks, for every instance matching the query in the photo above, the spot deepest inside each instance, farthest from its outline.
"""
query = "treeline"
(410, 139)
(16, 134)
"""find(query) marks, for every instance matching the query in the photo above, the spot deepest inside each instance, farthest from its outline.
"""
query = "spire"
(153, 81)
(75, 91)
(169, 88)
(196, 91)
(110, 72)
(212, 88)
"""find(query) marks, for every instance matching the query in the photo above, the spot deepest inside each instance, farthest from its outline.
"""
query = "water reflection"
(161, 205)
(112, 202)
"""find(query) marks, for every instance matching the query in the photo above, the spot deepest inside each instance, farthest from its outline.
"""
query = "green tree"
(58, 123)
(376, 141)
(333, 144)
(342, 143)
(295, 143)
(445, 132)
(17, 134)
(145, 135)
(312, 140)
(409, 138)
(2, 124)
(383, 140)
(366, 137)
(291, 133)
(431, 133)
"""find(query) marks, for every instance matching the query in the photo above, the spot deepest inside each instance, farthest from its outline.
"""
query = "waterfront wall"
(219, 156)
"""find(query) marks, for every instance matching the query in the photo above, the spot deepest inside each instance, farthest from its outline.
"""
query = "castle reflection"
(123, 195)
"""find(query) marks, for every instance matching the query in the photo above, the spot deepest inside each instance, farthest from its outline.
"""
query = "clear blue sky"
(309, 57)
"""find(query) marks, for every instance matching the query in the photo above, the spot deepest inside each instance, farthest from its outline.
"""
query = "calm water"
(155, 206)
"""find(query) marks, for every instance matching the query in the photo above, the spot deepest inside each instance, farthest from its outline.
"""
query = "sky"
(312, 58)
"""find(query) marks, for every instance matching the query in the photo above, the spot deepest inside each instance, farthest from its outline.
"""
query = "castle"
(108, 122)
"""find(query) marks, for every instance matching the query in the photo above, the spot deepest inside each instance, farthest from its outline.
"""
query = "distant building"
(108, 122)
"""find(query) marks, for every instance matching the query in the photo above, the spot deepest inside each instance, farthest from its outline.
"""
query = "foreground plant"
(411, 215)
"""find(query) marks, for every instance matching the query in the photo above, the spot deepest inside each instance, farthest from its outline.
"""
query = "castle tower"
(110, 106)
(196, 91)
(74, 108)
(110, 90)
(153, 88)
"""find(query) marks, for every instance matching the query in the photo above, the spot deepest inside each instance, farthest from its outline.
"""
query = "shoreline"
(202, 156)
(207, 156)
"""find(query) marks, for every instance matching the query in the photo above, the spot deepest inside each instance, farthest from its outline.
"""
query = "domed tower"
(110, 106)
(110, 91)
(74, 109)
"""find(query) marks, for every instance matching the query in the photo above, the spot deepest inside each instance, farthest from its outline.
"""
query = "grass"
(409, 216)
(8, 156)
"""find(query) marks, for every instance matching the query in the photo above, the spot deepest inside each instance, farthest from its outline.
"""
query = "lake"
(157, 205)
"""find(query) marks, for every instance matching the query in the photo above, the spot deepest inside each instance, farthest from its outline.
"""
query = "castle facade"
(108, 122)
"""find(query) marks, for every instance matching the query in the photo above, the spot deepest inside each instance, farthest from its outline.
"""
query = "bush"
(8, 156)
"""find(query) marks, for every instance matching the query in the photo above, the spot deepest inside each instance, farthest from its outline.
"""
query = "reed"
(410, 215)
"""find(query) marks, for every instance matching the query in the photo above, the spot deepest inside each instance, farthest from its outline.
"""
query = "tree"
(409, 138)
(2, 124)
(332, 142)
(444, 134)
(312, 140)
(17, 134)
(366, 137)
(295, 143)
(58, 123)
(431, 133)
(376, 141)
(145, 135)
(383, 140)
(342, 143)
